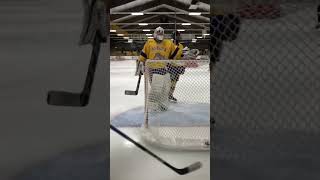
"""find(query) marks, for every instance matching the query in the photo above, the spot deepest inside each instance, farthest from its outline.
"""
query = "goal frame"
(146, 122)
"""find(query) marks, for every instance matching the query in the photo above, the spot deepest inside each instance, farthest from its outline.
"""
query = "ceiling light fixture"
(137, 14)
(194, 13)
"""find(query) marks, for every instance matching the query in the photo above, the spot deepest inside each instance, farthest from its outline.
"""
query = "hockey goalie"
(156, 61)
(157, 49)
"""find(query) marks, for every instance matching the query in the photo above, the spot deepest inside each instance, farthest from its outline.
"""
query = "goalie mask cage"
(266, 89)
(181, 125)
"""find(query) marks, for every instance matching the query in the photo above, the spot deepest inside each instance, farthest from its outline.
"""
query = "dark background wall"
(39, 52)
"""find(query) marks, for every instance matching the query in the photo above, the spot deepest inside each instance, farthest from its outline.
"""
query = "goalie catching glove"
(190, 54)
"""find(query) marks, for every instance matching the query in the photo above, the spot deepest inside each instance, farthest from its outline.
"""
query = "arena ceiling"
(169, 14)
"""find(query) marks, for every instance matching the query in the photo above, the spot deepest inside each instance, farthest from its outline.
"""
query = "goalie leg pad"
(165, 92)
(158, 95)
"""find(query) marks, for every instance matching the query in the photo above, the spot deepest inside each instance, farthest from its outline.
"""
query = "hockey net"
(182, 124)
(265, 98)
(259, 9)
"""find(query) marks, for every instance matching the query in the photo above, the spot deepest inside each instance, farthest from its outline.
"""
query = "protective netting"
(177, 106)
(253, 9)
(265, 94)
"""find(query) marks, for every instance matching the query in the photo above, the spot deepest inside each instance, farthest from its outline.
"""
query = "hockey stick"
(94, 32)
(183, 171)
(134, 93)
(63, 98)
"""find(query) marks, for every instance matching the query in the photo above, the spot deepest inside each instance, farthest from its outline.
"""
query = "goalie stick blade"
(127, 92)
(193, 167)
(61, 98)
(134, 93)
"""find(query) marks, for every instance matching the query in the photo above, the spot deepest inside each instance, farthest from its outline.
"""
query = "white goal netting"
(177, 104)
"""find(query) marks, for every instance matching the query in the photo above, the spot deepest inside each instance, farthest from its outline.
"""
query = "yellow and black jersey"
(180, 52)
(159, 51)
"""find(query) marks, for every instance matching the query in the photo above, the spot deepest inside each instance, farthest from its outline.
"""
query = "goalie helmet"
(158, 34)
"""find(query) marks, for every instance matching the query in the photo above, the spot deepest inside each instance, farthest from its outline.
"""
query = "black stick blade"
(132, 93)
(193, 167)
(61, 98)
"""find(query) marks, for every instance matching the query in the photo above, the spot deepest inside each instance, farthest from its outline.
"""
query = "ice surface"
(128, 111)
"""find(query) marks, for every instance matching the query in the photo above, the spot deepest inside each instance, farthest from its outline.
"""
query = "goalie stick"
(134, 93)
(93, 32)
(138, 71)
(193, 167)
(63, 98)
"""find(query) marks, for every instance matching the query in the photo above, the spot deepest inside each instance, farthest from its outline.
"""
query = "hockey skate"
(172, 99)
(162, 107)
